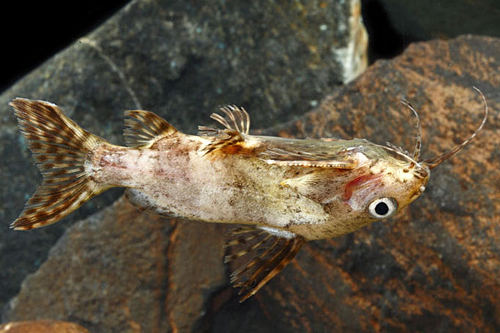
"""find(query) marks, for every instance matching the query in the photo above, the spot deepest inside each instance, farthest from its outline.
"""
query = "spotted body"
(285, 191)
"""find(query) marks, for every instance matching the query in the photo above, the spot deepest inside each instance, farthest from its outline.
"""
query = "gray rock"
(181, 61)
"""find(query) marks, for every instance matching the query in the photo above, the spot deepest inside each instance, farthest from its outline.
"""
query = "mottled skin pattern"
(174, 176)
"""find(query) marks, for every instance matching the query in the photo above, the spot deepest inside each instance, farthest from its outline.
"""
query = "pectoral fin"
(256, 255)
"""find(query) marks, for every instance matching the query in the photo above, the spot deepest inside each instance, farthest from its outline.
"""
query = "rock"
(433, 268)
(122, 270)
(181, 61)
(42, 326)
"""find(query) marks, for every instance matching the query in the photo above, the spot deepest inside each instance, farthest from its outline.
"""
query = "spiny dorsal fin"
(60, 148)
(142, 127)
(236, 118)
(236, 123)
(256, 255)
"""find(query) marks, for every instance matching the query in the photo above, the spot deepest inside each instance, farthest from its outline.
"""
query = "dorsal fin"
(142, 127)
(256, 255)
(236, 118)
(236, 123)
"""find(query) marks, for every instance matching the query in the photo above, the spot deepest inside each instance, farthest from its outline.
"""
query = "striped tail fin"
(60, 148)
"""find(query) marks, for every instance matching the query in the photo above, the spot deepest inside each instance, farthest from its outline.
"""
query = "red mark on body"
(356, 183)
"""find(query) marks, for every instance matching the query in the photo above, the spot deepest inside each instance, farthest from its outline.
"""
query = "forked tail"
(60, 148)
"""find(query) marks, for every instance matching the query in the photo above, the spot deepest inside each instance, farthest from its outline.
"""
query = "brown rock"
(435, 267)
(123, 270)
(42, 326)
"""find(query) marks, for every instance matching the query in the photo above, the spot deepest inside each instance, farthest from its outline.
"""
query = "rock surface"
(181, 60)
(435, 267)
(122, 270)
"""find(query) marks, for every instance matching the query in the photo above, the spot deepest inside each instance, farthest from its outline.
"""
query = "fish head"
(385, 187)
(396, 178)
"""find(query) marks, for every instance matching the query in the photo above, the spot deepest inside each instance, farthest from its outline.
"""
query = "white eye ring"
(382, 208)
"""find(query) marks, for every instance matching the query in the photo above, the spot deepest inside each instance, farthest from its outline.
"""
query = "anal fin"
(256, 255)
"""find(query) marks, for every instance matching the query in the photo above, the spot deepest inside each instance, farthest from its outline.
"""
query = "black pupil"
(381, 208)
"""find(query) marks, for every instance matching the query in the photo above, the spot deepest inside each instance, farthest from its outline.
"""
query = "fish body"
(175, 176)
(286, 191)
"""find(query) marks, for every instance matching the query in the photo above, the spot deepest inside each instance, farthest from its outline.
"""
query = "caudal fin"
(60, 148)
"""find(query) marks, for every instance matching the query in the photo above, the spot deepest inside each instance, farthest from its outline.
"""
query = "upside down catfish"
(284, 191)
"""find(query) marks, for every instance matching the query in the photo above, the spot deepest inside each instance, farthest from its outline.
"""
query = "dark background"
(57, 26)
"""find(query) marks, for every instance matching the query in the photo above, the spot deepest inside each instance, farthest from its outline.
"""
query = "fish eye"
(382, 208)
